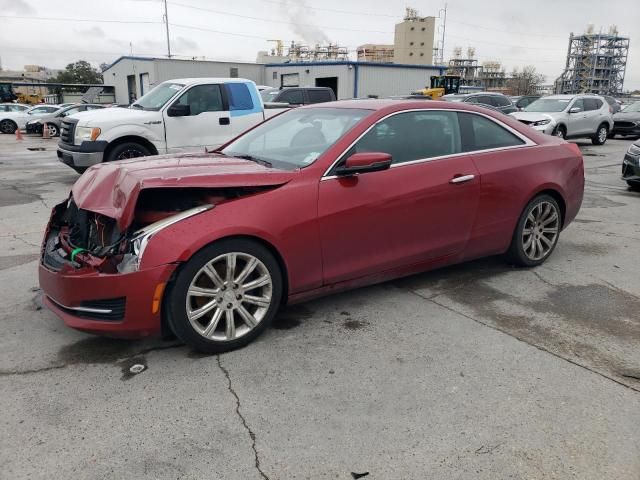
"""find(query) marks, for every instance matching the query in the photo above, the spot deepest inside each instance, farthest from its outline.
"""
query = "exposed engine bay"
(78, 238)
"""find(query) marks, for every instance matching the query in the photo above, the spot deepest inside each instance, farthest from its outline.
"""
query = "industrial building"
(132, 76)
(596, 63)
(413, 40)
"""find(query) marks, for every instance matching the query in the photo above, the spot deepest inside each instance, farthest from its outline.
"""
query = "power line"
(89, 20)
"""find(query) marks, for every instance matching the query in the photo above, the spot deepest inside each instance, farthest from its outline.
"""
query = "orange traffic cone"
(45, 131)
(18, 134)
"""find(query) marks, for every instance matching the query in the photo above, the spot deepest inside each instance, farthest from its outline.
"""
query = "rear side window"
(480, 133)
(239, 96)
(319, 96)
(592, 104)
(499, 101)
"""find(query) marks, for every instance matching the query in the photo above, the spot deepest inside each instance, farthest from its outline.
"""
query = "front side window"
(202, 98)
(70, 111)
(158, 97)
(481, 133)
(412, 136)
(319, 96)
(296, 138)
(579, 103)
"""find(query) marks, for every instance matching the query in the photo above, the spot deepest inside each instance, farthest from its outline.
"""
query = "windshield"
(548, 105)
(634, 107)
(156, 98)
(268, 94)
(295, 139)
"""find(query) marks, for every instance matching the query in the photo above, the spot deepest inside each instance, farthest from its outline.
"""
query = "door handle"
(462, 178)
(224, 121)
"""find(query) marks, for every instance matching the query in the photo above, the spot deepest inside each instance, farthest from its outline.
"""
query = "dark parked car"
(627, 121)
(613, 104)
(522, 101)
(312, 201)
(631, 166)
(298, 95)
(496, 100)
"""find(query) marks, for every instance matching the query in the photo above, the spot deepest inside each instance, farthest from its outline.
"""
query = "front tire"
(53, 129)
(127, 150)
(601, 135)
(225, 296)
(536, 233)
(560, 132)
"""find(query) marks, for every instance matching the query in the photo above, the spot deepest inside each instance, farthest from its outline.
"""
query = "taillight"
(610, 109)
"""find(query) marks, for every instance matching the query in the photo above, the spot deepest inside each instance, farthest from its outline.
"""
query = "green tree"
(78, 72)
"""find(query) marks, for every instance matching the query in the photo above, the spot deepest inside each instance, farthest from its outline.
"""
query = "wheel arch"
(164, 323)
(130, 138)
(557, 196)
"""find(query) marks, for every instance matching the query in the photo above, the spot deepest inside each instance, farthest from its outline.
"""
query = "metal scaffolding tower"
(596, 63)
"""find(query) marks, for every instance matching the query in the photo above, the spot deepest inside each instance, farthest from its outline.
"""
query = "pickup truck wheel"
(225, 296)
(127, 150)
(601, 135)
(8, 126)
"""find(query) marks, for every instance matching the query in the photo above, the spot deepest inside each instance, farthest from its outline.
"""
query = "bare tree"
(525, 81)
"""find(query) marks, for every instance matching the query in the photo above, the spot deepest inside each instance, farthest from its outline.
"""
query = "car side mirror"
(575, 110)
(365, 162)
(178, 110)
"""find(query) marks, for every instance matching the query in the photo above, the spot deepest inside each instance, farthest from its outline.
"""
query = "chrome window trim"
(527, 140)
(81, 309)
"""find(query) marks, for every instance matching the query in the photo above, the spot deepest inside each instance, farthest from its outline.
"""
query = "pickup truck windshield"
(156, 98)
(295, 139)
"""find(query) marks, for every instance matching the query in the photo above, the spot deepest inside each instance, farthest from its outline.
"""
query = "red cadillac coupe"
(319, 199)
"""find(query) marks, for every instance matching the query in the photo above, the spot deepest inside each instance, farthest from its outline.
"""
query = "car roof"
(198, 81)
(570, 96)
(392, 105)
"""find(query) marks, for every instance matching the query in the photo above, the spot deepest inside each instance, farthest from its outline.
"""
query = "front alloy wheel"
(8, 126)
(226, 295)
(537, 232)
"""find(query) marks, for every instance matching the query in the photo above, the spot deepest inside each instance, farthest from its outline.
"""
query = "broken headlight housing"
(140, 239)
(541, 122)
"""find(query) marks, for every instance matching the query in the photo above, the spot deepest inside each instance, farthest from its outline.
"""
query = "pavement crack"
(7, 373)
(16, 237)
(542, 279)
(520, 339)
(252, 435)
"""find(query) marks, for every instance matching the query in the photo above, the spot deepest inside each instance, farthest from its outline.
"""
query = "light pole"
(166, 24)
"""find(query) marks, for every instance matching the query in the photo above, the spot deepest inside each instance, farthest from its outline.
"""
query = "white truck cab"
(181, 115)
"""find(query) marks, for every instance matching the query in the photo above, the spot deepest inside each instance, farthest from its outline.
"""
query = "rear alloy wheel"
(601, 135)
(127, 150)
(53, 129)
(8, 126)
(537, 232)
(225, 296)
(560, 132)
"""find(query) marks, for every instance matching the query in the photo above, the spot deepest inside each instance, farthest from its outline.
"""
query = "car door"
(207, 125)
(420, 209)
(577, 123)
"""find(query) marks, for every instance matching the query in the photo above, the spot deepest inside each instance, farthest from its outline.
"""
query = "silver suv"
(569, 116)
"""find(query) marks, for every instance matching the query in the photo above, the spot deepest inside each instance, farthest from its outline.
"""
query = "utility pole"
(444, 28)
(166, 24)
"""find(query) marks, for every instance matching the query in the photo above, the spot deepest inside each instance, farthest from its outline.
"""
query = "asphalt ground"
(478, 371)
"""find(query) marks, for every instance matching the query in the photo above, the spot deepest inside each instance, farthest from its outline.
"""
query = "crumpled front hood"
(532, 116)
(112, 189)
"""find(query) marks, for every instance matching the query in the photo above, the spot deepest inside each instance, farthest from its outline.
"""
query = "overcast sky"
(516, 32)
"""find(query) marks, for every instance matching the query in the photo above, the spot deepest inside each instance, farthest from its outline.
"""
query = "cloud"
(20, 7)
(95, 32)
(302, 24)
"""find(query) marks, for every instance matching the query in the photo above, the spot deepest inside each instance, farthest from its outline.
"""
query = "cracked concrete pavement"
(478, 371)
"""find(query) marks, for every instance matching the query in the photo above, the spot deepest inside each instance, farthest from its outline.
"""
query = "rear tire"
(8, 126)
(601, 135)
(537, 232)
(225, 296)
(127, 150)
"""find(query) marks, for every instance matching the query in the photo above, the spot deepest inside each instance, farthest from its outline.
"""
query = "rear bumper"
(85, 155)
(82, 298)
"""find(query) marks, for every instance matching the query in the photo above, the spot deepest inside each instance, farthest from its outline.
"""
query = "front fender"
(131, 130)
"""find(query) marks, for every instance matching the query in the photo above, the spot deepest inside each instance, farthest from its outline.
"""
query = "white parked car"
(184, 115)
(12, 120)
(569, 116)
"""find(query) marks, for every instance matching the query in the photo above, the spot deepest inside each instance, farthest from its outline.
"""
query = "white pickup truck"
(176, 116)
